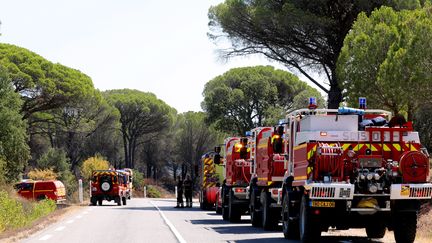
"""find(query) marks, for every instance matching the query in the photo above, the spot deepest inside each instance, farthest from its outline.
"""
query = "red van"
(39, 190)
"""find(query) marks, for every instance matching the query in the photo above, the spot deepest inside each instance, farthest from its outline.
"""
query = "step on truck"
(352, 168)
(208, 180)
(237, 178)
(267, 170)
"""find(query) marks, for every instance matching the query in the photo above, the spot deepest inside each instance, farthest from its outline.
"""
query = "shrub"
(16, 212)
(93, 163)
(42, 174)
(138, 180)
(153, 192)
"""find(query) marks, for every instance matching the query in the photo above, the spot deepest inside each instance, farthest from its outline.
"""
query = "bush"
(93, 163)
(15, 212)
(54, 159)
(42, 174)
(138, 180)
(153, 192)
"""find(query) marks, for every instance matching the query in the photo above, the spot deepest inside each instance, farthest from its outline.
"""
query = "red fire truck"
(350, 168)
(267, 159)
(208, 181)
(237, 178)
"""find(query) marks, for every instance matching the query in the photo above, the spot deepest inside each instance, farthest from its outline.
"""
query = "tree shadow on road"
(324, 239)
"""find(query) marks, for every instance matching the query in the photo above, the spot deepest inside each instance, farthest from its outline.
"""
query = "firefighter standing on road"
(188, 191)
(179, 193)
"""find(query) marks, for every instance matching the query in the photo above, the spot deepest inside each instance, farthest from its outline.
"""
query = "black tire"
(269, 217)
(124, 200)
(93, 201)
(254, 209)
(118, 201)
(290, 227)
(234, 211)
(309, 225)
(376, 229)
(405, 226)
(100, 202)
(41, 197)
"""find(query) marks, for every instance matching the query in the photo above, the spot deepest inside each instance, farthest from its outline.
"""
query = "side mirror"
(217, 159)
(217, 149)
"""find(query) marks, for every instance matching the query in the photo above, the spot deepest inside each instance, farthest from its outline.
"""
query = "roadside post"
(176, 191)
(145, 192)
(80, 191)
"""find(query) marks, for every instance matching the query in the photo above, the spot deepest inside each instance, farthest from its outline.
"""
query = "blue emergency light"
(248, 134)
(312, 103)
(281, 122)
(362, 103)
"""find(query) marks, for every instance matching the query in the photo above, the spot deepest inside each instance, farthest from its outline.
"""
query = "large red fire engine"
(267, 160)
(350, 168)
(237, 178)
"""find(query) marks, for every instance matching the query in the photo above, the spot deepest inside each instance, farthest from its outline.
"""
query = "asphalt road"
(155, 220)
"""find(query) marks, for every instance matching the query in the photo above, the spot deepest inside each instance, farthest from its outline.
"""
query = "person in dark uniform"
(179, 193)
(188, 191)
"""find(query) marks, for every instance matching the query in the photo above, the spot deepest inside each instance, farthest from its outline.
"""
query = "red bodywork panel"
(210, 194)
(237, 171)
(36, 190)
(268, 164)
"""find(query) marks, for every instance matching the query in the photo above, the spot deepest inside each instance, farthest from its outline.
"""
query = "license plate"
(323, 204)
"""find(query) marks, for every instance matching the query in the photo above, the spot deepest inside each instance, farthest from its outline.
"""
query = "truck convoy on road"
(320, 168)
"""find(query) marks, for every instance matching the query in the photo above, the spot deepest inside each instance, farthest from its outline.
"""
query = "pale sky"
(150, 45)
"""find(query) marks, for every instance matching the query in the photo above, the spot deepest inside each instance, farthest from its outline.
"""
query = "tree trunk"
(125, 147)
(334, 94)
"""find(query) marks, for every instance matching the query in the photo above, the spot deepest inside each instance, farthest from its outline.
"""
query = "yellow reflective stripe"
(371, 147)
(311, 152)
(262, 178)
(300, 177)
(413, 148)
(345, 146)
(300, 146)
(397, 146)
(386, 147)
(358, 147)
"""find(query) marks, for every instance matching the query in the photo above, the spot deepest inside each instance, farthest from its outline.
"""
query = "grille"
(421, 192)
(323, 192)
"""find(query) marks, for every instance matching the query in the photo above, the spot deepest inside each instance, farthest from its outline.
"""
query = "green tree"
(14, 151)
(43, 85)
(193, 139)
(306, 36)
(386, 58)
(244, 98)
(141, 114)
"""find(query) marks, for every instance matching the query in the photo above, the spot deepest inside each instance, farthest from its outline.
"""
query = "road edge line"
(170, 225)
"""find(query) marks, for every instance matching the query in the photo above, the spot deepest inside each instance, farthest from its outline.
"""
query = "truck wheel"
(254, 209)
(269, 219)
(218, 209)
(376, 229)
(93, 201)
(124, 200)
(309, 225)
(100, 202)
(233, 211)
(118, 201)
(225, 207)
(405, 226)
(290, 227)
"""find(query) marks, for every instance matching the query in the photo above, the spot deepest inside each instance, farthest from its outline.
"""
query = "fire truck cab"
(351, 168)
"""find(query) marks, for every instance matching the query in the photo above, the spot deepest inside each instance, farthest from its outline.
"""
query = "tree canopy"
(306, 36)
(14, 151)
(141, 114)
(244, 98)
(386, 58)
(42, 84)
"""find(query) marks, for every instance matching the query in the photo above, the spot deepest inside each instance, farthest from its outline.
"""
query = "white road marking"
(170, 225)
(60, 228)
(70, 221)
(46, 237)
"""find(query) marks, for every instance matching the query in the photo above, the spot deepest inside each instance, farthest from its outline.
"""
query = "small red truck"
(237, 178)
(40, 190)
(108, 185)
